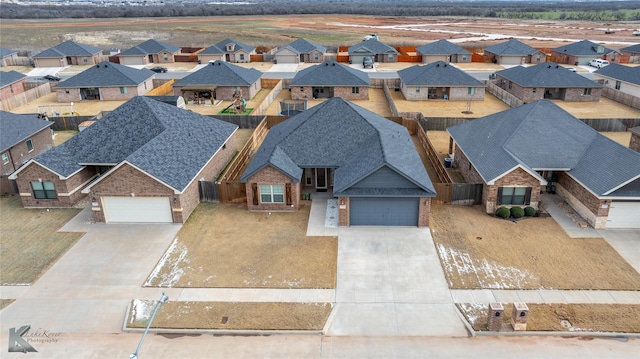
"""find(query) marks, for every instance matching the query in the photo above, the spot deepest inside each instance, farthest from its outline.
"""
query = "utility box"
(494, 317)
(519, 316)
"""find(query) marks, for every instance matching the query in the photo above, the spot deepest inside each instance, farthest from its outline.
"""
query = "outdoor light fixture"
(163, 299)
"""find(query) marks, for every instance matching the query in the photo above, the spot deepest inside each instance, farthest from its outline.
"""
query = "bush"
(529, 211)
(517, 212)
(503, 212)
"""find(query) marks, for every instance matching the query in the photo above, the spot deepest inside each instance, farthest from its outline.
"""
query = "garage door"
(132, 60)
(137, 209)
(357, 59)
(287, 59)
(384, 211)
(511, 60)
(624, 215)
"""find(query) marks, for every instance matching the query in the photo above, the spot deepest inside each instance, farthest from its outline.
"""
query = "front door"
(151, 58)
(321, 178)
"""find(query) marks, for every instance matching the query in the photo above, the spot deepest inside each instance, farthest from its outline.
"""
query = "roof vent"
(333, 64)
(549, 66)
(437, 65)
(557, 66)
(445, 65)
(326, 64)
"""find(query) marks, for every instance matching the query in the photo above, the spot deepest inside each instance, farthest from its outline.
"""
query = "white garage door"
(137, 209)
(287, 59)
(624, 215)
(132, 60)
(511, 60)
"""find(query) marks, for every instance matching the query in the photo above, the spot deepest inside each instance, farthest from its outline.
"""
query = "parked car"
(158, 69)
(598, 63)
(367, 62)
(572, 69)
(636, 33)
(51, 77)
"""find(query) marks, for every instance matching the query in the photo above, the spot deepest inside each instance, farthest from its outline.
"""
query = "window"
(538, 58)
(165, 56)
(301, 89)
(271, 193)
(85, 60)
(510, 85)
(587, 91)
(417, 89)
(43, 190)
(471, 91)
(464, 57)
(11, 88)
(514, 195)
(145, 85)
(241, 56)
(390, 57)
(124, 90)
(316, 56)
(5, 158)
(66, 90)
(618, 83)
(355, 90)
(29, 144)
(534, 90)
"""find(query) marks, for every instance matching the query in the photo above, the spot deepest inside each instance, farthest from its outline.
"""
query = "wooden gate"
(458, 193)
(209, 191)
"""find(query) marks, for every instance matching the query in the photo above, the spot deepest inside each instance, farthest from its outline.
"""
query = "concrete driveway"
(626, 242)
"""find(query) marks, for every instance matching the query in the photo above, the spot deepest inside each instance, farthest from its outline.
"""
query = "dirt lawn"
(478, 251)
(226, 246)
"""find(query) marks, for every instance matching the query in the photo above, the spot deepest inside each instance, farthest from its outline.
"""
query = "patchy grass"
(230, 315)
(484, 252)
(29, 241)
(229, 111)
(618, 318)
(62, 136)
(5, 302)
(226, 246)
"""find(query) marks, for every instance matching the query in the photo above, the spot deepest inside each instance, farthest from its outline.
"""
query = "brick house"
(519, 153)
(548, 80)
(11, 83)
(374, 49)
(619, 77)
(330, 79)
(365, 161)
(300, 51)
(227, 50)
(633, 52)
(105, 81)
(581, 52)
(149, 52)
(140, 163)
(219, 80)
(439, 80)
(443, 50)
(68, 53)
(22, 137)
(8, 57)
(514, 52)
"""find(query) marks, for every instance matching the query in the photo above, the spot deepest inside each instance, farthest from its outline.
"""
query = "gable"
(385, 177)
(126, 179)
(285, 52)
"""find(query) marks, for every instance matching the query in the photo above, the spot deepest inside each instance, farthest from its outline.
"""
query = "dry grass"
(623, 138)
(230, 315)
(226, 246)
(618, 318)
(484, 252)
(30, 242)
(63, 136)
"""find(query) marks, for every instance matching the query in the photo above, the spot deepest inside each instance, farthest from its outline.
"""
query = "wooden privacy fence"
(162, 90)
(22, 98)
(443, 176)
(457, 193)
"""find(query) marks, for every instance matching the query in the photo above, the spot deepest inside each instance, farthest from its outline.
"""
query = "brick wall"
(594, 210)
(516, 178)
(346, 93)
(462, 94)
(114, 94)
(461, 162)
(12, 89)
(269, 175)
(525, 94)
(301, 92)
(310, 57)
(19, 154)
(577, 95)
(425, 210)
(68, 191)
(72, 96)
(635, 142)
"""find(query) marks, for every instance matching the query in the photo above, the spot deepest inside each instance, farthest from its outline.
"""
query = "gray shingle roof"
(150, 47)
(303, 46)
(330, 73)
(361, 142)
(4, 52)
(583, 48)
(9, 77)
(547, 74)
(107, 74)
(223, 46)
(69, 48)
(511, 48)
(441, 47)
(16, 128)
(372, 47)
(166, 142)
(542, 136)
(621, 72)
(222, 74)
(212, 50)
(437, 73)
(633, 48)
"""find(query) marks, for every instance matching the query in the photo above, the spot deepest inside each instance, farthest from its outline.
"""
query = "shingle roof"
(212, 50)
(9, 77)
(542, 136)
(69, 48)
(16, 128)
(303, 46)
(222, 45)
(150, 47)
(166, 142)
(441, 47)
(621, 72)
(437, 73)
(511, 47)
(633, 48)
(330, 73)
(372, 46)
(547, 74)
(361, 142)
(107, 74)
(222, 74)
(583, 48)
(4, 52)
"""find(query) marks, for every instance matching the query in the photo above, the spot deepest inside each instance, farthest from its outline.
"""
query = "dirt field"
(226, 246)
(484, 252)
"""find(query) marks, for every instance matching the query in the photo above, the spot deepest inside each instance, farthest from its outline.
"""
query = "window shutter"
(254, 189)
(288, 193)
(499, 201)
(527, 196)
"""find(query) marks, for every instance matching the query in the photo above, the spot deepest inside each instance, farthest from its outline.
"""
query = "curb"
(612, 335)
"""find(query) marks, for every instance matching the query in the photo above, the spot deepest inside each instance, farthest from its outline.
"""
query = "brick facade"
(271, 176)
(68, 191)
(634, 144)
(224, 93)
(12, 89)
(106, 93)
(531, 94)
(345, 92)
(454, 93)
(594, 210)
(19, 154)
(64, 61)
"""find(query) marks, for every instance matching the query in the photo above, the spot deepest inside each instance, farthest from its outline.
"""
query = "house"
(366, 161)
(634, 143)
(518, 153)
(581, 52)
(300, 51)
(330, 79)
(439, 80)
(149, 52)
(443, 50)
(11, 83)
(633, 52)
(547, 80)
(622, 78)
(8, 57)
(177, 101)
(105, 81)
(514, 52)
(227, 50)
(140, 163)
(22, 137)
(374, 49)
(68, 53)
(219, 80)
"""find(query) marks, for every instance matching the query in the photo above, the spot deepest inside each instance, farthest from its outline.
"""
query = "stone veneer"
(594, 210)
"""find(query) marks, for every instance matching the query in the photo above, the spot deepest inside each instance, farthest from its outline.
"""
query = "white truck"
(636, 33)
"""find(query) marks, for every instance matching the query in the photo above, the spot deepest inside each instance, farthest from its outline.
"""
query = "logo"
(17, 343)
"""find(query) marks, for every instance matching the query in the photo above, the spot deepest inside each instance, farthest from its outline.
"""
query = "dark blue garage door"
(384, 211)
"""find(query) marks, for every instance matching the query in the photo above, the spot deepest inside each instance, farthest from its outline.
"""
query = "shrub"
(503, 212)
(517, 212)
(529, 211)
